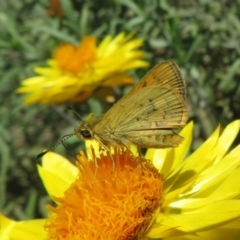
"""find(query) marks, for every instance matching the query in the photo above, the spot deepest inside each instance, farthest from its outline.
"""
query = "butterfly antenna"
(64, 138)
(71, 109)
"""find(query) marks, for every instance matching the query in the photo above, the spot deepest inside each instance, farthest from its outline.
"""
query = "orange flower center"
(107, 205)
(75, 59)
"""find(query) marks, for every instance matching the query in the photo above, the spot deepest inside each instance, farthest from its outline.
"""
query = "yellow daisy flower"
(173, 196)
(75, 72)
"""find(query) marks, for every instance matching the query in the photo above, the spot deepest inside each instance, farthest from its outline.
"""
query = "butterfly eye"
(86, 133)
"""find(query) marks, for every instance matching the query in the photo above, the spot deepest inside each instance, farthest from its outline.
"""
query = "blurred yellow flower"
(193, 197)
(74, 72)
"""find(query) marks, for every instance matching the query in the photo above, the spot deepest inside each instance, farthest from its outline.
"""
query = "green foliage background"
(201, 36)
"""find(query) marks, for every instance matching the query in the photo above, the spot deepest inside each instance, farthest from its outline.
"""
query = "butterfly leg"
(139, 151)
(96, 162)
(104, 147)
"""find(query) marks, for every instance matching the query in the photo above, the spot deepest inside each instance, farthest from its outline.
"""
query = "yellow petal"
(57, 174)
(182, 150)
(179, 153)
(198, 160)
(164, 227)
(46, 71)
(228, 189)
(158, 157)
(190, 203)
(214, 214)
(58, 165)
(101, 50)
(23, 230)
(216, 173)
(221, 233)
(118, 79)
(191, 167)
(227, 137)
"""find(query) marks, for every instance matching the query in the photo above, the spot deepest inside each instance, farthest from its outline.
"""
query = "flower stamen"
(119, 204)
(76, 59)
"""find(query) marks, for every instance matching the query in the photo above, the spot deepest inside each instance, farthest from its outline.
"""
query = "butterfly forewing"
(147, 115)
(166, 74)
(154, 108)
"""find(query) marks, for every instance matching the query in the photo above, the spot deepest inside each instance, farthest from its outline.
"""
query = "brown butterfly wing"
(154, 107)
(167, 74)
